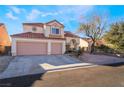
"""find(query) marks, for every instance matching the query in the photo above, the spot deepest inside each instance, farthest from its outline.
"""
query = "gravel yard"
(100, 59)
(4, 62)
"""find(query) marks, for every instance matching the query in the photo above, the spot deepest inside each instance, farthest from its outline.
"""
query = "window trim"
(55, 28)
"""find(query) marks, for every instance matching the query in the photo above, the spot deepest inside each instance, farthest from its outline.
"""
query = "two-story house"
(39, 39)
(45, 39)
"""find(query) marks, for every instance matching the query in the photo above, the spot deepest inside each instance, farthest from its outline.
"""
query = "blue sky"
(14, 16)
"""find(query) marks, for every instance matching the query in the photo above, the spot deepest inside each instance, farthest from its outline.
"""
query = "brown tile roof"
(1, 24)
(69, 34)
(34, 36)
(34, 24)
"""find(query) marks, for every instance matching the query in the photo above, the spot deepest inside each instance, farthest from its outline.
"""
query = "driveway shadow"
(115, 64)
(22, 81)
(22, 77)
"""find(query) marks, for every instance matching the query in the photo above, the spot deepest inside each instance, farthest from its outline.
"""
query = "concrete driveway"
(25, 65)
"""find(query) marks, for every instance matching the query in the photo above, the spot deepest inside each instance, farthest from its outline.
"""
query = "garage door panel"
(56, 48)
(31, 48)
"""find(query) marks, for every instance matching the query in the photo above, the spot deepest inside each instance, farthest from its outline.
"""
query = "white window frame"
(55, 28)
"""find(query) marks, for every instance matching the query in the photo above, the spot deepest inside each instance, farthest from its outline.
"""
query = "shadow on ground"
(28, 79)
(23, 81)
(115, 64)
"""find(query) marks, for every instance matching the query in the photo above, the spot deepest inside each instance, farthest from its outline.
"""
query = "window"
(55, 31)
(34, 29)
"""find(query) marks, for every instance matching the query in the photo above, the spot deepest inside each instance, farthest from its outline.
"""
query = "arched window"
(73, 43)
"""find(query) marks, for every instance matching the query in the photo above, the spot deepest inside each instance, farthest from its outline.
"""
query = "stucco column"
(49, 47)
(63, 47)
(13, 48)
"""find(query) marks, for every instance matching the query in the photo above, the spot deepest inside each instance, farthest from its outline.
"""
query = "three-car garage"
(36, 44)
(47, 47)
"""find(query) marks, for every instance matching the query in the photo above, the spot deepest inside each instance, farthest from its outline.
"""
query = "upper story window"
(55, 31)
(34, 29)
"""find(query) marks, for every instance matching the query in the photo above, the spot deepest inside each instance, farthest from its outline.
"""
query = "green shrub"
(115, 36)
(105, 49)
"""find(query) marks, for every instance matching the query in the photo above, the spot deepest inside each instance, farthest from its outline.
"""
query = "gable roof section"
(70, 34)
(54, 21)
(33, 36)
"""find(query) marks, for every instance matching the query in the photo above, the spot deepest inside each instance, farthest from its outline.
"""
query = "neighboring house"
(74, 41)
(98, 42)
(39, 39)
(4, 39)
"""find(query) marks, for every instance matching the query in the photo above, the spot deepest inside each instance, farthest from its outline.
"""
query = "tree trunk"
(92, 47)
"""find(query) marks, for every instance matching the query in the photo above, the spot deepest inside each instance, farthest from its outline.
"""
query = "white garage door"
(56, 48)
(31, 48)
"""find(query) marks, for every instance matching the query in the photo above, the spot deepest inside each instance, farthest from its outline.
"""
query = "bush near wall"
(5, 50)
(103, 49)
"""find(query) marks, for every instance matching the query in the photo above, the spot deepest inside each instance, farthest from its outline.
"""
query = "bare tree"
(93, 28)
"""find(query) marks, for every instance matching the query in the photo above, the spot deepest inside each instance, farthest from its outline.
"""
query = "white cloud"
(67, 13)
(49, 14)
(73, 13)
(77, 10)
(15, 9)
(11, 16)
(34, 14)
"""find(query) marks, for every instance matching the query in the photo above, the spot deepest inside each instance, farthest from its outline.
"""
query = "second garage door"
(56, 48)
(31, 48)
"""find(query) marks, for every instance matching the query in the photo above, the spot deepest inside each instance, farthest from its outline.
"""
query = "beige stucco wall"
(46, 29)
(83, 43)
(27, 28)
(62, 32)
(49, 29)
(80, 42)
(68, 39)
